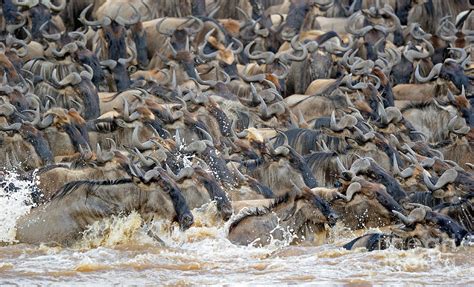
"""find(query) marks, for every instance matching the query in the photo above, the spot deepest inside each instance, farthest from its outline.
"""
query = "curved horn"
(239, 48)
(351, 190)
(27, 3)
(413, 55)
(347, 121)
(461, 58)
(55, 36)
(458, 125)
(448, 176)
(11, 28)
(433, 73)
(268, 56)
(138, 144)
(83, 20)
(361, 164)
(158, 28)
(12, 127)
(186, 172)
(56, 8)
(201, 47)
(351, 26)
(71, 79)
(209, 140)
(406, 220)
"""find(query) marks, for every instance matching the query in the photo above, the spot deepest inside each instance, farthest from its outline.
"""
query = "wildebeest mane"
(258, 211)
(418, 105)
(74, 185)
(425, 198)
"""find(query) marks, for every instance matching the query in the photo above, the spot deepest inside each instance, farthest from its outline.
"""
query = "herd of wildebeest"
(289, 115)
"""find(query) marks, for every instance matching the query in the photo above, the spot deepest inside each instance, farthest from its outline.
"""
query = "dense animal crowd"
(289, 115)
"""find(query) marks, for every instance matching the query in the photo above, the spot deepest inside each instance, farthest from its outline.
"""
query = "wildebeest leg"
(185, 217)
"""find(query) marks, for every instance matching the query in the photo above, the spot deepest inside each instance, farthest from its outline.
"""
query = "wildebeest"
(291, 217)
(81, 203)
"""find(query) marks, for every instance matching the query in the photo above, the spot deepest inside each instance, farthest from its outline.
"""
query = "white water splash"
(15, 201)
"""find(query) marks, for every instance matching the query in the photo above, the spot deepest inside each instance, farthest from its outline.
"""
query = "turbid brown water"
(120, 251)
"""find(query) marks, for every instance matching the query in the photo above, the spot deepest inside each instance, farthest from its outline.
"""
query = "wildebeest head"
(216, 192)
(185, 217)
(139, 37)
(295, 18)
(119, 71)
(309, 213)
(376, 25)
(67, 43)
(296, 162)
(328, 214)
(10, 12)
(84, 88)
(114, 34)
(214, 48)
(362, 196)
(87, 57)
(451, 69)
(455, 73)
(424, 224)
(114, 31)
(39, 12)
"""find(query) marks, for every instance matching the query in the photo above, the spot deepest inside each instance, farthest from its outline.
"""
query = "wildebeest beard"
(121, 77)
(90, 98)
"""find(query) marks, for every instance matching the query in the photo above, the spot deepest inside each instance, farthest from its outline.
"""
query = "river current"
(124, 251)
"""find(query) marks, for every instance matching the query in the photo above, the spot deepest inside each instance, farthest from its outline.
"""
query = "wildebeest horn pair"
(449, 176)
(47, 3)
(416, 215)
(347, 121)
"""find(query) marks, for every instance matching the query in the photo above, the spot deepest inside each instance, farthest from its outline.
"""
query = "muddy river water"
(124, 251)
